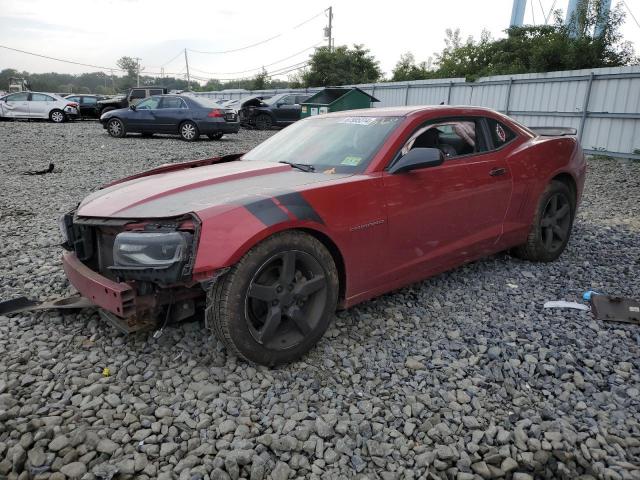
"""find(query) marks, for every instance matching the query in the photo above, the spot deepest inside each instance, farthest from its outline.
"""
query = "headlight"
(150, 249)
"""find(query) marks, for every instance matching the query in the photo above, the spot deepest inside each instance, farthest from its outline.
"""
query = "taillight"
(215, 113)
(72, 104)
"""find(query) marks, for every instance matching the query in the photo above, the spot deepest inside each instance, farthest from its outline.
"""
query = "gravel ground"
(462, 376)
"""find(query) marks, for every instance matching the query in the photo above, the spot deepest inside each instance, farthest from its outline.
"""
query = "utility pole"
(186, 61)
(329, 28)
(137, 59)
(161, 75)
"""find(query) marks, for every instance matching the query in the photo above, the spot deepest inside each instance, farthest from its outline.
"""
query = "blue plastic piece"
(586, 296)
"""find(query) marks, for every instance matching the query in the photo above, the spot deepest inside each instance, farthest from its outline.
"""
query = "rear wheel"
(57, 116)
(189, 131)
(115, 127)
(552, 225)
(215, 136)
(277, 301)
(263, 122)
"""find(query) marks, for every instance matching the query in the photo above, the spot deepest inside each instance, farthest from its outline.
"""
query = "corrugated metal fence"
(602, 104)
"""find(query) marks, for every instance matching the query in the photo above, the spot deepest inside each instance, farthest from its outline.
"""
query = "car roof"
(408, 110)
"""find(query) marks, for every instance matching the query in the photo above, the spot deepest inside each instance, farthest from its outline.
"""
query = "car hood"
(189, 190)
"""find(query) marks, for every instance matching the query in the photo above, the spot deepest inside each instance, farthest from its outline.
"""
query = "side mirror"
(132, 107)
(418, 158)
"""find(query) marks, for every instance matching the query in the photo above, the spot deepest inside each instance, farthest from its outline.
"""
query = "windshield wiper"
(305, 167)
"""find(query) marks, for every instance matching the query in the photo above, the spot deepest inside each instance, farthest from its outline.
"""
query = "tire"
(276, 303)
(115, 127)
(215, 136)
(189, 131)
(263, 122)
(57, 116)
(551, 226)
(105, 110)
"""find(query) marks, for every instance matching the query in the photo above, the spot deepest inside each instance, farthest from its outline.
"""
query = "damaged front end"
(137, 271)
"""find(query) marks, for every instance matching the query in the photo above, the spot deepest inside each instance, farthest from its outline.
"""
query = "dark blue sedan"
(183, 115)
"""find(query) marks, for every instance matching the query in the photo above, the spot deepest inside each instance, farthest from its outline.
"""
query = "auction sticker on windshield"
(359, 120)
(351, 160)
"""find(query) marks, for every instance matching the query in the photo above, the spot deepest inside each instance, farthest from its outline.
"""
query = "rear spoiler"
(553, 131)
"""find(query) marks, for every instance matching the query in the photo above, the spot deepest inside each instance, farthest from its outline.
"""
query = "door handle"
(496, 172)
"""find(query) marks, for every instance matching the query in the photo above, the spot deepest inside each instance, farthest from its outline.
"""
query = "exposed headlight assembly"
(150, 249)
(153, 256)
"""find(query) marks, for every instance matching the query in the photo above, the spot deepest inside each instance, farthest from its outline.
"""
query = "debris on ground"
(49, 169)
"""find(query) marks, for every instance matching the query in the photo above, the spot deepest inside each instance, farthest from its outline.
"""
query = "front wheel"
(115, 127)
(57, 116)
(189, 131)
(277, 301)
(263, 122)
(215, 136)
(551, 226)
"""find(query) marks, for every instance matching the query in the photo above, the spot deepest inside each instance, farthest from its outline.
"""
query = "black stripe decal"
(267, 211)
(296, 204)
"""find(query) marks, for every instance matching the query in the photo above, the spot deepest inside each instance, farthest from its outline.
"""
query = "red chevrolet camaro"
(327, 213)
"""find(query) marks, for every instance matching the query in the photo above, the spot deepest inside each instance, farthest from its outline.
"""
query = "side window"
(40, 97)
(73, 99)
(89, 100)
(301, 98)
(172, 102)
(148, 103)
(454, 137)
(155, 91)
(288, 100)
(138, 94)
(18, 97)
(500, 134)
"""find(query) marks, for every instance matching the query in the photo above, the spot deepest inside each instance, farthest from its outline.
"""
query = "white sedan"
(37, 105)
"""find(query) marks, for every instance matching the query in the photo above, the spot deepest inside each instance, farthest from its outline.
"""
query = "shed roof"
(330, 94)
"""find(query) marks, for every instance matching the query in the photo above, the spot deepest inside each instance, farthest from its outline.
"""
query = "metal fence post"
(449, 93)
(406, 94)
(506, 107)
(585, 107)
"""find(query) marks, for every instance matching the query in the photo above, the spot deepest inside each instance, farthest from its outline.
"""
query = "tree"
(261, 80)
(591, 39)
(407, 69)
(341, 66)
(129, 65)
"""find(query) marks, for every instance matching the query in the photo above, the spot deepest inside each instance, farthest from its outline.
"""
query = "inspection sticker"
(358, 120)
(351, 160)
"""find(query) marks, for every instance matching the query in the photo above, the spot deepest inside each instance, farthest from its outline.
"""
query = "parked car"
(88, 104)
(38, 105)
(124, 100)
(332, 211)
(280, 110)
(183, 115)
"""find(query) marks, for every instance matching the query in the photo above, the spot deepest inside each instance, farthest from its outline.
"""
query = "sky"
(98, 32)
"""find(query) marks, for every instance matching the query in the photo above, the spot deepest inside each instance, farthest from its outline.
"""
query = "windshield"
(329, 144)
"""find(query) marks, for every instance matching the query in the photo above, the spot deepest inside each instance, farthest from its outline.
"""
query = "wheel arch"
(338, 258)
(569, 181)
(230, 257)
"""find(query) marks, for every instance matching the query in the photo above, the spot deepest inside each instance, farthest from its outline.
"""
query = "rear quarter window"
(500, 133)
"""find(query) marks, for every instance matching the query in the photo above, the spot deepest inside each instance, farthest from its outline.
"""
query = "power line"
(262, 41)
(166, 63)
(257, 68)
(61, 60)
(631, 13)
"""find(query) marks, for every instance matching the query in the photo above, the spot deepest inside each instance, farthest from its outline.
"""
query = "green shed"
(335, 99)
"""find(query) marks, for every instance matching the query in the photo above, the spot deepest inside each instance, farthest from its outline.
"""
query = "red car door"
(446, 215)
